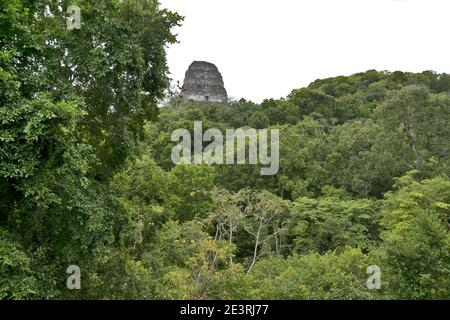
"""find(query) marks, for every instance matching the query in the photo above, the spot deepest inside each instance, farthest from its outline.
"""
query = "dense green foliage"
(86, 176)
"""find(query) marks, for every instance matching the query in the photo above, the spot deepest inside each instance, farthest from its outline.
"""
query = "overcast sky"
(266, 48)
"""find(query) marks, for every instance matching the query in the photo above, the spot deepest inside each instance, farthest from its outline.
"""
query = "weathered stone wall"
(203, 83)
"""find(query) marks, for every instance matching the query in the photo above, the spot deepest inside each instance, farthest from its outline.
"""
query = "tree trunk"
(407, 131)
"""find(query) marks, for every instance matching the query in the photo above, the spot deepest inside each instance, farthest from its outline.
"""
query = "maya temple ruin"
(203, 83)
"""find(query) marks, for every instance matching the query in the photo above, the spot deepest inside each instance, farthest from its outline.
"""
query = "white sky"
(266, 48)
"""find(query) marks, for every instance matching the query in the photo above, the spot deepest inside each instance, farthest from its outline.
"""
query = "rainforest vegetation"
(86, 176)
